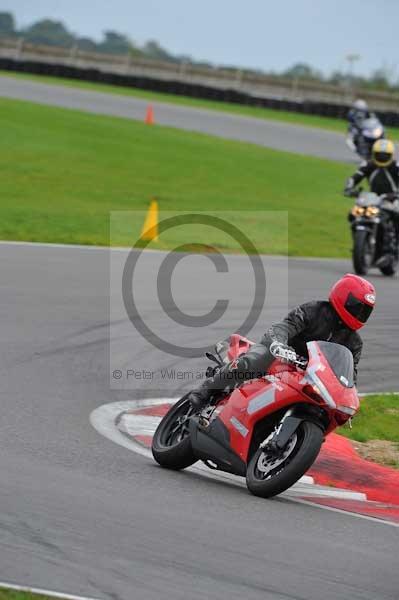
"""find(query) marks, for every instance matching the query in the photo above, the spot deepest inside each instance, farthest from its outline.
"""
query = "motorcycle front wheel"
(171, 445)
(362, 254)
(269, 474)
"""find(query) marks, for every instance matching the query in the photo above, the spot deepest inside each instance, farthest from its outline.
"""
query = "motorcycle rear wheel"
(389, 270)
(299, 454)
(362, 258)
(171, 445)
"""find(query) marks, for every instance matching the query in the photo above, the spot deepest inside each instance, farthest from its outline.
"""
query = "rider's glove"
(352, 192)
(391, 196)
(283, 352)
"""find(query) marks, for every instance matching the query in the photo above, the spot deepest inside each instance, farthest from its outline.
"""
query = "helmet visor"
(358, 309)
(383, 158)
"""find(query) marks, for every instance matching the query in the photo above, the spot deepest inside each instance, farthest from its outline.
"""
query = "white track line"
(52, 245)
(128, 248)
(104, 420)
(346, 512)
(32, 590)
(361, 394)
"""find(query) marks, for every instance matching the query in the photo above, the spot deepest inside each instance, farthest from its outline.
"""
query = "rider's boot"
(252, 364)
(223, 380)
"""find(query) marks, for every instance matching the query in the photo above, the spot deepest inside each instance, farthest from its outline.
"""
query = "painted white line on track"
(128, 248)
(69, 246)
(346, 512)
(32, 590)
(378, 394)
(104, 420)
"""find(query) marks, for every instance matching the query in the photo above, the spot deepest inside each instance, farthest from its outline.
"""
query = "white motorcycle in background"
(368, 131)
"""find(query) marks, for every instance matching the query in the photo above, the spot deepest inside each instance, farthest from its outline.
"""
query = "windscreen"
(340, 360)
(368, 199)
(371, 123)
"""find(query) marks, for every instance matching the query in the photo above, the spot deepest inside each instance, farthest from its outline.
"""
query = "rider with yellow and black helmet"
(381, 171)
(383, 153)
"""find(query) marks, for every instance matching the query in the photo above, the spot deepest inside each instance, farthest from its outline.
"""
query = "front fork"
(285, 430)
(372, 228)
(290, 423)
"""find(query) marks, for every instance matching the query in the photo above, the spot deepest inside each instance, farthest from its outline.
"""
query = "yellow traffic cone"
(149, 231)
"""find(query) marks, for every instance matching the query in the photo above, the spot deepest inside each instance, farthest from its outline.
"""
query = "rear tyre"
(389, 270)
(392, 267)
(269, 475)
(362, 254)
(171, 445)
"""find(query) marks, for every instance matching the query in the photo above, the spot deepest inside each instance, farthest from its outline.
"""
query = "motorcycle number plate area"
(239, 426)
(262, 400)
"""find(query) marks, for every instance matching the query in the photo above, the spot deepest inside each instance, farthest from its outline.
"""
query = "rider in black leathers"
(382, 173)
(317, 320)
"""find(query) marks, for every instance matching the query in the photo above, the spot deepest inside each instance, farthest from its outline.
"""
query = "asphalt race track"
(273, 134)
(83, 515)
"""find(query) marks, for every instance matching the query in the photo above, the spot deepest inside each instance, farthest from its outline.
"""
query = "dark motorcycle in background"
(369, 131)
(374, 233)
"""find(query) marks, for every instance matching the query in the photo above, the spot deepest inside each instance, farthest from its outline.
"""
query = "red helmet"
(353, 299)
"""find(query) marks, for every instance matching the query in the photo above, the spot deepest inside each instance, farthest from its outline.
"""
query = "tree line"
(55, 33)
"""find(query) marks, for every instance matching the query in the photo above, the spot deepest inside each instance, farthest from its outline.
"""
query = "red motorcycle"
(269, 430)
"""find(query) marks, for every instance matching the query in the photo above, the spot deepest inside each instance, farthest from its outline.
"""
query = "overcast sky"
(256, 33)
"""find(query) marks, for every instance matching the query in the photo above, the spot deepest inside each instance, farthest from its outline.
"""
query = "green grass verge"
(6, 594)
(63, 171)
(378, 419)
(329, 123)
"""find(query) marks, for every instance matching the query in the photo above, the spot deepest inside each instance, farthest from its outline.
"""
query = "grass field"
(378, 419)
(64, 171)
(375, 430)
(6, 594)
(332, 124)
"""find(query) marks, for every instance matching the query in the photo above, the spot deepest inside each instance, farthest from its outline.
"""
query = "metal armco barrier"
(224, 85)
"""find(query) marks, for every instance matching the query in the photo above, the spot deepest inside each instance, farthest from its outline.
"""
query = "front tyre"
(171, 445)
(269, 474)
(362, 253)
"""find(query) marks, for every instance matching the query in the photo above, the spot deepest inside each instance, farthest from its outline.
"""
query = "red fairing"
(238, 345)
(253, 402)
(286, 386)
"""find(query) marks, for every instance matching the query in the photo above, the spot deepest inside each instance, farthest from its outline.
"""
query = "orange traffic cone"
(149, 117)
